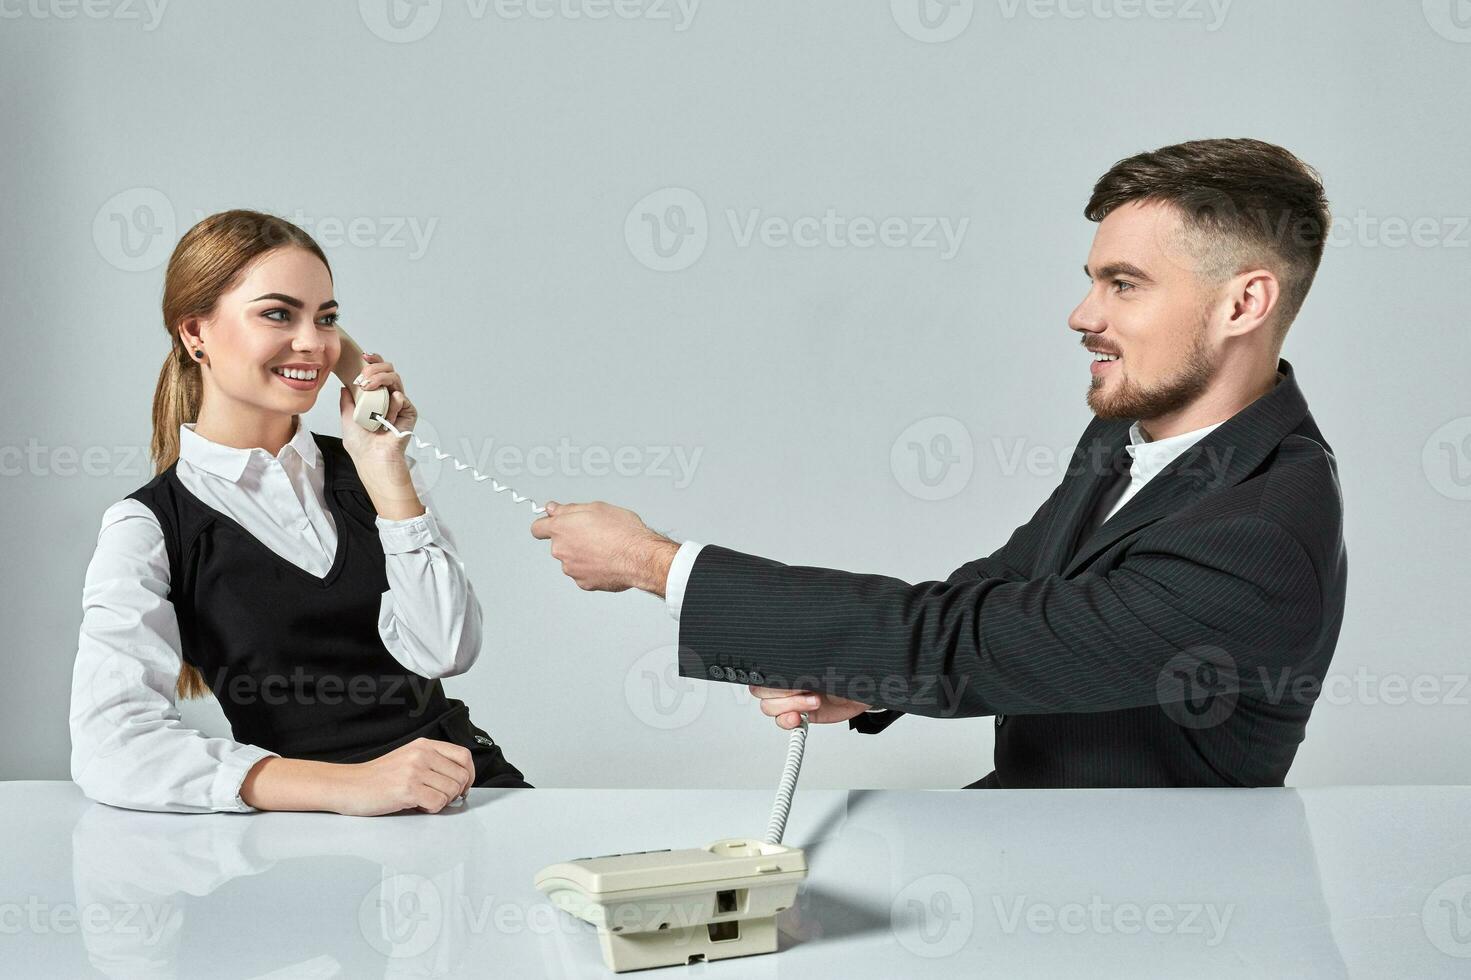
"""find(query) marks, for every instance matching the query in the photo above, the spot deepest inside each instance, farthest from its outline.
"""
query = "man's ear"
(1253, 296)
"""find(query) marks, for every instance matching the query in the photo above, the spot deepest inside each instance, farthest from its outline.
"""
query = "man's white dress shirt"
(1147, 458)
(129, 746)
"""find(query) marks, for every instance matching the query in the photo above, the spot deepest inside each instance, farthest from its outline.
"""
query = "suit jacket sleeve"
(1239, 591)
(1007, 562)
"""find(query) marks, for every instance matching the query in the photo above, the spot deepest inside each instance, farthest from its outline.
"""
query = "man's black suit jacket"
(1182, 642)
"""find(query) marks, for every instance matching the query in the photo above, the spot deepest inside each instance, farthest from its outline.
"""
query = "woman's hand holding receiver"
(379, 456)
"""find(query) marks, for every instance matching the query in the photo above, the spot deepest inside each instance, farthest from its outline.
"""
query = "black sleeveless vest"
(295, 660)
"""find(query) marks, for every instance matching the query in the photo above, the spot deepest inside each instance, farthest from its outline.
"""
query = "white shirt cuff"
(230, 777)
(679, 577)
(409, 534)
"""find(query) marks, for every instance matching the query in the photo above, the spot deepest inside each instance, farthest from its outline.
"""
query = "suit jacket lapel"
(1096, 463)
(1169, 490)
(1225, 457)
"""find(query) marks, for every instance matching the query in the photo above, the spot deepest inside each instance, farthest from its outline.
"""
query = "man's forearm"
(655, 565)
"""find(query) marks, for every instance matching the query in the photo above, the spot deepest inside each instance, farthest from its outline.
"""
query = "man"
(1167, 615)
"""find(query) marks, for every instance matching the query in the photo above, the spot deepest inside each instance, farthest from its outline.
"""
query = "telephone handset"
(366, 404)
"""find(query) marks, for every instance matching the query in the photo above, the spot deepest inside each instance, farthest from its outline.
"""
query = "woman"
(300, 577)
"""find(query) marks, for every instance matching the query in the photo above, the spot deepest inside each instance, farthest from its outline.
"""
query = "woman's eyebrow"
(283, 298)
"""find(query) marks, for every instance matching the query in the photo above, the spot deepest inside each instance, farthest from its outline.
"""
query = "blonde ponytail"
(175, 401)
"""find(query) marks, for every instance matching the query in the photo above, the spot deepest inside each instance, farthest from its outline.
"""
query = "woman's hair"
(206, 264)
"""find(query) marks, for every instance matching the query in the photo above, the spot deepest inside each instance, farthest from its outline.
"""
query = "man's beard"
(1129, 401)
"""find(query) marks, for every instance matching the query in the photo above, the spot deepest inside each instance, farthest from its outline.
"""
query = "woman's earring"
(199, 353)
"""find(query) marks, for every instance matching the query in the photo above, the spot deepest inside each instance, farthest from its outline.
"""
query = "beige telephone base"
(671, 908)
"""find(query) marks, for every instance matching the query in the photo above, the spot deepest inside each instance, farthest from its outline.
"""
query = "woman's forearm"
(425, 775)
(391, 488)
(275, 783)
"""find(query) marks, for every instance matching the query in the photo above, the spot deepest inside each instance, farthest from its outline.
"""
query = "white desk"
(1351, 882)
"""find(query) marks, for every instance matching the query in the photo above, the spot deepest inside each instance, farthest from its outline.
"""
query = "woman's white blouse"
(129, 746)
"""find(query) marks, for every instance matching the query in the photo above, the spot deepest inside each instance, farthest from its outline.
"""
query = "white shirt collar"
(1151, 456)
(229, 462)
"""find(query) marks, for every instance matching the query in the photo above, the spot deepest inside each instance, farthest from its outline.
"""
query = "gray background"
(528, 313)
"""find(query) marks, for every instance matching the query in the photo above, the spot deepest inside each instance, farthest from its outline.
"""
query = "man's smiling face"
(1148, 304)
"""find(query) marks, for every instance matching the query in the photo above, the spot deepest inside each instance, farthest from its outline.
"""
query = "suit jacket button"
(730, 673)
(715, 672)
(756, 677)
(1000, 720)
(742, 676)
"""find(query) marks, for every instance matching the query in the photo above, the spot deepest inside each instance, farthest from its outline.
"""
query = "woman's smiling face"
(279, 320)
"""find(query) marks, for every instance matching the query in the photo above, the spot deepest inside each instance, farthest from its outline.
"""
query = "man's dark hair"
(1242, 202)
